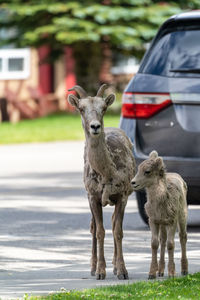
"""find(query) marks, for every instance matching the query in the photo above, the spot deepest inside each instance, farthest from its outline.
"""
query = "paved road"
(44, 224)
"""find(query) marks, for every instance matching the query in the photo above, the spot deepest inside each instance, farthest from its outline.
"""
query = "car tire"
(141, 200)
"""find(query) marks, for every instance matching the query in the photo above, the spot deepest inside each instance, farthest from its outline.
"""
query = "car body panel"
(142, 82)
(174, 131)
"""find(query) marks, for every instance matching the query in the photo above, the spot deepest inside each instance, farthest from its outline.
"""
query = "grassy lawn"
(57, 127)
(179, 288)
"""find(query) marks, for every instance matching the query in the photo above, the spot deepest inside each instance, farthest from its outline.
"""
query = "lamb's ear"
(159, 162)
(73, 100)
(110, 99)
(160, 166)
(153, 155)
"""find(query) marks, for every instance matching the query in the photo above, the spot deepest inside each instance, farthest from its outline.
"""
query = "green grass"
(56, 127)
(178, 288)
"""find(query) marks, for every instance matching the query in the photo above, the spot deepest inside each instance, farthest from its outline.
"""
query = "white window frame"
(6, 54)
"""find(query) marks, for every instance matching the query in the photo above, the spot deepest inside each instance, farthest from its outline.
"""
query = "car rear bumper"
(188, 168)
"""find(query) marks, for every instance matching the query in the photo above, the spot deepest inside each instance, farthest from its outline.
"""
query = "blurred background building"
(46, 47)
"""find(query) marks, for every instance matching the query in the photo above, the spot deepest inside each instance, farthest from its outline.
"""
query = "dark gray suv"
(161, 104)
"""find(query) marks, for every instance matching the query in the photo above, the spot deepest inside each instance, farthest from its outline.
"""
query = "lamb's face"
(144, 177)
(149, 172)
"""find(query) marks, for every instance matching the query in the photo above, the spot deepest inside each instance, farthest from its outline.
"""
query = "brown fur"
(108, 168)
(166, 208)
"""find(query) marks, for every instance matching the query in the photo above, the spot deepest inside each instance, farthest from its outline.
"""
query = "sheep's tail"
(185, 190)
(185, 185)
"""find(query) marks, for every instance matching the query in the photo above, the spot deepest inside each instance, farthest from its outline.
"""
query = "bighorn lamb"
(166, 208)
(109, 167)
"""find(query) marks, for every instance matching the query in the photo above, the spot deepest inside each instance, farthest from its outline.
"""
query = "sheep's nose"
(133, 182)
(95, 126)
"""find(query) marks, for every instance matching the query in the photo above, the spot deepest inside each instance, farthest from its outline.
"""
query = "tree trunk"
(105, 75)
(88, 58)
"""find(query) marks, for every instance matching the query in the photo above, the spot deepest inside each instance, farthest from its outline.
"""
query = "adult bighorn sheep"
(109, 166)
(166, 208)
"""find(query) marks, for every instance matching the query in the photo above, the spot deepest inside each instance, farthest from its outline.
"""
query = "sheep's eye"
(147, 172)
(81, 109)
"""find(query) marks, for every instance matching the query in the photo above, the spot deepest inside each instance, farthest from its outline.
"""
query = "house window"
(14, 64)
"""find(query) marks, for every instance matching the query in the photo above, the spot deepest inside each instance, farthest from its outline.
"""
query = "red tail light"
(144, 105)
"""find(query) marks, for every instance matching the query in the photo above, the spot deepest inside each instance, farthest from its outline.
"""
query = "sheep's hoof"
(151, 276)
(184, 273)
(160, 274)
(115, 271)
(100, 276)
(123, 276)
(93, 272)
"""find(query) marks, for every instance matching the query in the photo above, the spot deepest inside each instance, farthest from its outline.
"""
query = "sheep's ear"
(159, 162)
(73, 100)
(153, 155)
(110, 99)
(160, 166)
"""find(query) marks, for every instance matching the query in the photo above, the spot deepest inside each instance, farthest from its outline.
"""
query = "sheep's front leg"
(96, 208)
(115, 246)
(170, 247)
(154, 248)
(163, 238)
(183, 240)
(118, 236)
(94, 247)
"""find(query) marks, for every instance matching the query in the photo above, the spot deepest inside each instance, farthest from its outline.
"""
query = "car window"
(176, 54)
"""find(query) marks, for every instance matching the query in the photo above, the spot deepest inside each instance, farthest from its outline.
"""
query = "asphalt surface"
(45, 241)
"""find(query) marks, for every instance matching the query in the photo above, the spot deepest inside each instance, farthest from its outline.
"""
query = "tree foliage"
(127, 25)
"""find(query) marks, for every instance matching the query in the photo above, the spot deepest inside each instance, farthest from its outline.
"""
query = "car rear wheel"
(141, 200)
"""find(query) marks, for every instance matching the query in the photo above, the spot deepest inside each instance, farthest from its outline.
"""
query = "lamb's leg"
(96, 208)
(94, 247)
(118, 236)
(163, 238)
(170, 247)
(115, 246)
(154, 248)
(183, 240)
